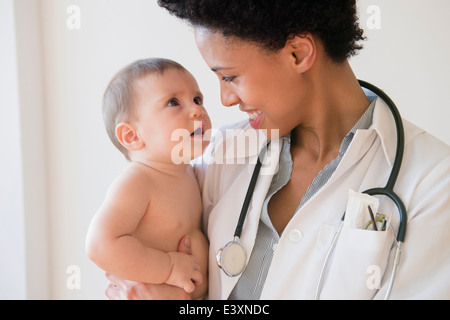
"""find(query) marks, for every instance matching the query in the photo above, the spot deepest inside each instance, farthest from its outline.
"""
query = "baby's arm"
(111, 245)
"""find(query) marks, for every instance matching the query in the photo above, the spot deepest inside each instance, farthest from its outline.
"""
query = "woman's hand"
(120, 289)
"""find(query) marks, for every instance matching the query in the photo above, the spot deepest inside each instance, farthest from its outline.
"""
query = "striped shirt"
(251, 282)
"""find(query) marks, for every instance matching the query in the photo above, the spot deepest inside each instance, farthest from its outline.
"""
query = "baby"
(156, 201)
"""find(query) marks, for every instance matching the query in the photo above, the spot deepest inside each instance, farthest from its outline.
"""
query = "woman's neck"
(337, 103)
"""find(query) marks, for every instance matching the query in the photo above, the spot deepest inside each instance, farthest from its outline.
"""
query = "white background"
(57, 161)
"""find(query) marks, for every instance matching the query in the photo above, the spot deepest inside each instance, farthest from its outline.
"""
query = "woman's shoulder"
(424, 147)
(425, 166)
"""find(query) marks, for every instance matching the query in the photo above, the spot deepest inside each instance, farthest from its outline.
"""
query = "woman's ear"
(128, 136)
(303, 51)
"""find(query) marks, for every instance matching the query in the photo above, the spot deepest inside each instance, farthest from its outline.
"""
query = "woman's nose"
(228, 97)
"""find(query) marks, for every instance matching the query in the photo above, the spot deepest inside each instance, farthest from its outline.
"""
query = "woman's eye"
(173, 103)
(198, 101)
(228, 79)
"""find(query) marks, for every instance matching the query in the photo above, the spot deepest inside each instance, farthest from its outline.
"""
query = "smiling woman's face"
(264, 84)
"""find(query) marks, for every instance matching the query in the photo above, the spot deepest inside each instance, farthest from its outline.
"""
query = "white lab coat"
(362, 259)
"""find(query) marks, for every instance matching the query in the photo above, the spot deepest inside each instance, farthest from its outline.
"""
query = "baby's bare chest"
(174, 211)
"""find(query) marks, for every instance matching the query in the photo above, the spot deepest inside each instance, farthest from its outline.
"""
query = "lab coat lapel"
(251, 223)
(268, 169)
(221, 227)
(383, 126)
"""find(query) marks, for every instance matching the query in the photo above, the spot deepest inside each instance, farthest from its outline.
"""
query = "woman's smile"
(255, 118)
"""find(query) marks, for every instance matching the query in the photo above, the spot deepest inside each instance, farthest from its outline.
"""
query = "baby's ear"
(128, 136)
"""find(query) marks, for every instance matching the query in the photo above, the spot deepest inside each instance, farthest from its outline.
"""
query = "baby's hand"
(185, 273)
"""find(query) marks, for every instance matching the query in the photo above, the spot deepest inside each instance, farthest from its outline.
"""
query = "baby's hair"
(119, 97)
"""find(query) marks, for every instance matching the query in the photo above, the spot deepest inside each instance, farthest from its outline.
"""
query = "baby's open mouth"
(198, 132)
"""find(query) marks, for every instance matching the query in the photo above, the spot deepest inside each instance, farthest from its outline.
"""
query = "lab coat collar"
(381, 131)
(384, 126)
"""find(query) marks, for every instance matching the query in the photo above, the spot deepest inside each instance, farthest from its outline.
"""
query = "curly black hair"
(270, 23)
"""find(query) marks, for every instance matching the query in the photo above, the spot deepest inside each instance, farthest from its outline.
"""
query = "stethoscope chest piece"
(232, 258)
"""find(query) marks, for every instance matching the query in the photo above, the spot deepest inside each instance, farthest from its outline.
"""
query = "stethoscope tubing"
(251, 188)
(388, 190)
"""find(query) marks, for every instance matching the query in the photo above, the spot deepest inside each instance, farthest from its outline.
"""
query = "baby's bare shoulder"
(133, 180)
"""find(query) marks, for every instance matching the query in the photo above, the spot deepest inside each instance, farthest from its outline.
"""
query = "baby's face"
(172, 120)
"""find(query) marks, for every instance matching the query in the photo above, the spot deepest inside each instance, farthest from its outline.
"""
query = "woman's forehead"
(221, 52)
(205, 36)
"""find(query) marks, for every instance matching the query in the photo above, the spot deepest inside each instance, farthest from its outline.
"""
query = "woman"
(285, 64)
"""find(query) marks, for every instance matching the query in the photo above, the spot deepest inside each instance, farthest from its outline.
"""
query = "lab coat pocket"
(357, 265)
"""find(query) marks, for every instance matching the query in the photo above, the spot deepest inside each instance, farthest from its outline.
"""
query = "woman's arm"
(119, 289)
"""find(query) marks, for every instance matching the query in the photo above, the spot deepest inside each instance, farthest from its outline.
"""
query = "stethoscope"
(232, 258)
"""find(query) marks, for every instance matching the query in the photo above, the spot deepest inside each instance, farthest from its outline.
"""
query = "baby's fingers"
(189, 287)
(185, 273)
(196, 280)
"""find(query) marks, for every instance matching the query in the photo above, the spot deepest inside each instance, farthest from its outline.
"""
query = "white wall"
(407, 57)
(24, 250)
(12, 244)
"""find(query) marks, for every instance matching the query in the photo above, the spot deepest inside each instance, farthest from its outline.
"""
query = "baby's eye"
(173, 102)
(198, 101)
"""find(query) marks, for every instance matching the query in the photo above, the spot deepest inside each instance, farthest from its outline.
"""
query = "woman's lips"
(255, 118)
